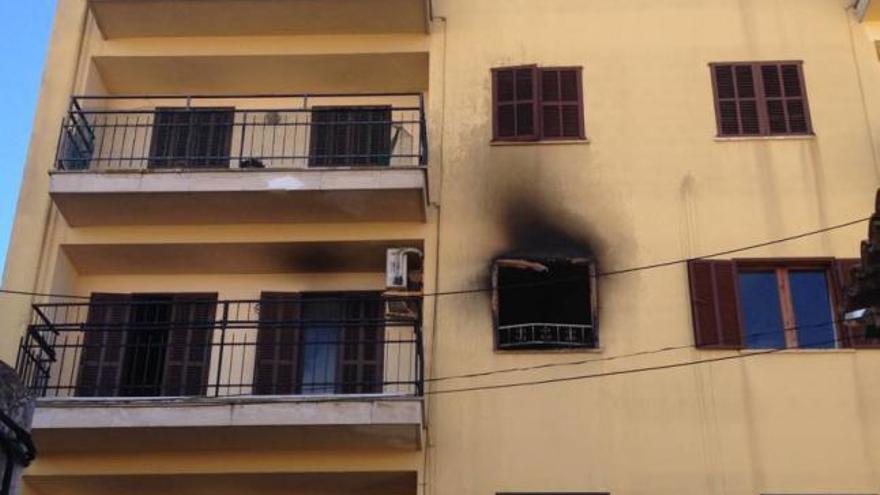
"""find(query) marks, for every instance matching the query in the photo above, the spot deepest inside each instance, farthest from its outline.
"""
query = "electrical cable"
(651, 266)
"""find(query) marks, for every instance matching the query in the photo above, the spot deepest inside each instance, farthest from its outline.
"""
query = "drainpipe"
(860, 7)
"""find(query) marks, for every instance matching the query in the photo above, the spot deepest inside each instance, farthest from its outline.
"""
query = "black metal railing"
(173, 346)
(153, 133)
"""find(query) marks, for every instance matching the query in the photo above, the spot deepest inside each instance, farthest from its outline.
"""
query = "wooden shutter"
(851, 334)
(210, 137)
(760, 99)
(104, 344)
(785, 99)
(276, 367)
(188, 352)
(361, 354)
(715, 304)
(736, 99)
(562, 113)
(350, 136)
(515, 103)
(170, 137)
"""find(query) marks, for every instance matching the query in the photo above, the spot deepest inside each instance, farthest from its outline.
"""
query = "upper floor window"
(769, 304)
(544, 303)
(760, 99)
(532, 103)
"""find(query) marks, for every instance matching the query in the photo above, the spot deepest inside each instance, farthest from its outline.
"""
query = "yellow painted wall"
(652, 184)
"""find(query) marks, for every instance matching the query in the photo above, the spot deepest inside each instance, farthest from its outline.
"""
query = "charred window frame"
(544, 303)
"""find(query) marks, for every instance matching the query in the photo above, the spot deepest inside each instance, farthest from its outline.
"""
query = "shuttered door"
(211, 137)
(170, 138)
(562, 104)
(350, 136)
(715, 304)
(191, 138)
(276, 367)
(515, 102)
(361, 355)
(850, 334)
(187, 356)
(104, 344)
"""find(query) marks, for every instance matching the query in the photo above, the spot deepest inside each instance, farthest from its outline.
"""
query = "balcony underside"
(232, 258)
(337, 483)
(342, 195)
(148, 18)
(120, 425)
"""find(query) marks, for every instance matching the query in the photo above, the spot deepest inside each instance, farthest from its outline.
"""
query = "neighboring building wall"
(653, 184)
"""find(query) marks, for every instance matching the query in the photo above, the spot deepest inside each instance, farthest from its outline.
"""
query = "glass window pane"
(812, 309)
(321, 336)
(762, 316)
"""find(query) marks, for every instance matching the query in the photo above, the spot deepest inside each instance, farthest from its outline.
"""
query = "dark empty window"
(191, 137)
(544, 304)
(532, 103)
(766, 304)
(760, 99)
(345, 136)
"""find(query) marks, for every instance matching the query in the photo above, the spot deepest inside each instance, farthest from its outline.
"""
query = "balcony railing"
(154, 133)
(194, 346)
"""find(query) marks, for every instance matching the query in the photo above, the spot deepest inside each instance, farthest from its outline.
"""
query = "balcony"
(133, 18)
(141, 160)
(322, 369)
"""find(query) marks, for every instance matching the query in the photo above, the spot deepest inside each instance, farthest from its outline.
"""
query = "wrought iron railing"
(546, 335)
(154, 133)
(181, 345)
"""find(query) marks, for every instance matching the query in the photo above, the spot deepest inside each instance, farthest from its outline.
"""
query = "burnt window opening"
(544, 304)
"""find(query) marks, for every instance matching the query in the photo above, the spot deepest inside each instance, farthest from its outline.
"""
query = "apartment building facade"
(418, 247)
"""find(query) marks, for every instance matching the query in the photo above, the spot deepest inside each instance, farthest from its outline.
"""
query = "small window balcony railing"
(156, 133)
(193, 346)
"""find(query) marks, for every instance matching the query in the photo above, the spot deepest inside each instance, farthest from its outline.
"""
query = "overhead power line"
(563, 364)
(629, 371)
(651, 266)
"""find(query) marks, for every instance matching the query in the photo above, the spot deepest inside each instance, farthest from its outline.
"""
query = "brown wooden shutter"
(785, 99)
(188, 351)
(169, 139)
(736, 99)
(210, 137)
(361, 354)
(104, 341)
(715, 304)
(562, 114)
(276, 367)
(515, 103)
(851, 334)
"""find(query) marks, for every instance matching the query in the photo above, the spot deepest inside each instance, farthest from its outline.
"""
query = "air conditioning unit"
(403, 279)
(397, 268)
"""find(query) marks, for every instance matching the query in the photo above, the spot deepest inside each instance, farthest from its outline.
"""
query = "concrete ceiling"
(364, 483)
(232, 258)
(147, 18)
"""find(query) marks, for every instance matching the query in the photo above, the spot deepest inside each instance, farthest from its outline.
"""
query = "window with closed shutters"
(533, 103)
(191, 137)
(760, 99)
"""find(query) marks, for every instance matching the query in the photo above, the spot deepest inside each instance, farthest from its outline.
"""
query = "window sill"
(846, 350)
(573, 350)
(540, 143)
(800, 137)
